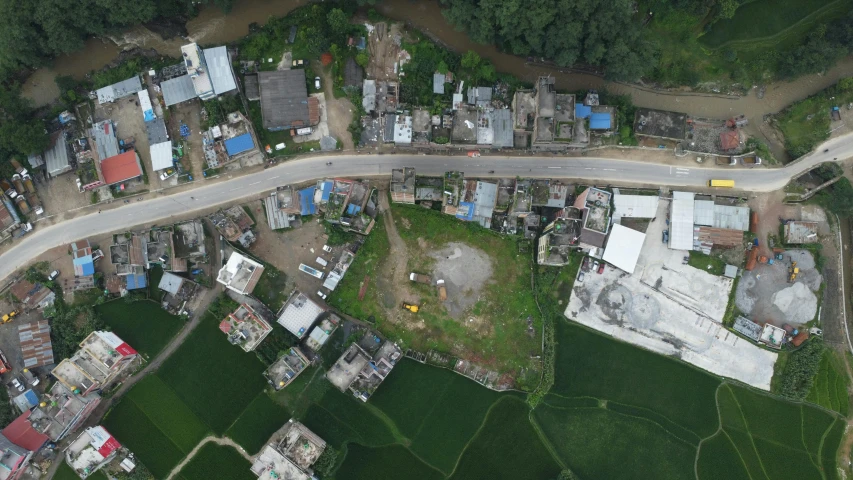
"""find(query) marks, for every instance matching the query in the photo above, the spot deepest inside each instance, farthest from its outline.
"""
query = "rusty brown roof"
(36, 347)
(313, 111)
(720, 236)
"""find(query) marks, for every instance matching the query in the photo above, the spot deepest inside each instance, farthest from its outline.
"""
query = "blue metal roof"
(306, 200)
(239, 144)
(352, 209)
(582, 111)
(134, 282)
(327, 189)
(84, 266)
(31, 397)
(599, 121)
(465, 211)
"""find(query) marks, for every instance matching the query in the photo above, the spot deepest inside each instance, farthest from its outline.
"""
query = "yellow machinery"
(410, 307)
(793, 271)
(9, 316)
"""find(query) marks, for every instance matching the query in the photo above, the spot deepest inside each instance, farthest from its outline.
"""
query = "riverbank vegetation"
(807, 123)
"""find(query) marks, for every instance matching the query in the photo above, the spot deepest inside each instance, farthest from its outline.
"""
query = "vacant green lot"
(259, 421)
(759, 19)
(143, 325)
(217, 462)
(806, 123)
(498, 338)
(216, 379)
(707, 263)
(830, 386)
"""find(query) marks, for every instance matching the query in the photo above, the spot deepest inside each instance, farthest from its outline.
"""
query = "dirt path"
(217, 440)
(339, 113)
(395, 270)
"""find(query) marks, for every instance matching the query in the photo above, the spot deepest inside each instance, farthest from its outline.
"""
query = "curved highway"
(600, 170)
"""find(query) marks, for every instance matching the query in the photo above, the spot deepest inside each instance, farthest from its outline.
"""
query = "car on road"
(53, 275)
(321, 294)
(580, 277)
(317, 83)
(665, 236)
(17, 385)
(601, 268)
(595, 265)
(585, 265)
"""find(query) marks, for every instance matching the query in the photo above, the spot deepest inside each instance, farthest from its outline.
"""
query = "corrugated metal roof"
(177, 90)
(119, 90)
(104, 135)
(35, 160)
(121, 167)
(623, 247)
(145, 105)
(284, 99)
(582, 111)
(253, 89)
(600, 121)
(306, 201)
(735, 218)
(219, 69)
(36, 346)
(703, 212)
(57, 158)
(239, 144)
(635, 206)
(135, 282)
(276, 218)
(438, 83)
(484, 203)
(161, 156)
(681, 221)
(502, 126)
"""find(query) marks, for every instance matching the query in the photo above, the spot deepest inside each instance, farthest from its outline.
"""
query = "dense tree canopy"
(593, 32)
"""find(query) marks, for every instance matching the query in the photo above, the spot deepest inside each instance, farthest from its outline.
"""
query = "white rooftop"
(623, 247)
(197, 70)
(219, 69)
(403, 129)
(161, 155)
(703, 212)
(735, 218)
(272, 465)
(170, 283)
(635, 206)
(298, 314)
(240, 274)
(681, 221)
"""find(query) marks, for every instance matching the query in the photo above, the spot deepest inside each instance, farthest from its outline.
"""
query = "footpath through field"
(217, 440)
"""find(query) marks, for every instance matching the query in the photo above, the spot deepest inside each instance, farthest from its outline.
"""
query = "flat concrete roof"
(299, 313)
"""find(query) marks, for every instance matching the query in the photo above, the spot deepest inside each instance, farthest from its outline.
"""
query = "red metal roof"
(21, 433)
(121, 167)
(729, 140)
(225, 326)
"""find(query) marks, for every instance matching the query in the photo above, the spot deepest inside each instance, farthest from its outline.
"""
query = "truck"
(23, 206)
(4, 364)
(19, 185)
(417, 277)
(722, 183)
(442, 291)
(28, 183)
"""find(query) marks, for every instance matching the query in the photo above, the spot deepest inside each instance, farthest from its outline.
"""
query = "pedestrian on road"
(99, 211)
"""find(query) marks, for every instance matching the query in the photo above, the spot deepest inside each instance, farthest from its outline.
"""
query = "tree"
(471, 60)
(338, 22)
(442, 67)
(846, 84)
(728, 8)
(362, 59)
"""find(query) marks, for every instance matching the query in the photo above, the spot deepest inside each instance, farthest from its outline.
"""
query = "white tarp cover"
(623, 247)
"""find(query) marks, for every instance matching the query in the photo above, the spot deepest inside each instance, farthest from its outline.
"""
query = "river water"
(211, 26)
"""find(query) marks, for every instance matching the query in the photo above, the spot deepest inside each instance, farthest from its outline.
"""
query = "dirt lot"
(339, 112)
(286, 250)
(189, 113)
(383, 44)
(465, 270)
(60, 194)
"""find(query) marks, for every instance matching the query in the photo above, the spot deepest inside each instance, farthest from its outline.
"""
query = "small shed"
(170, 283)
(239, 144)
(438, 81)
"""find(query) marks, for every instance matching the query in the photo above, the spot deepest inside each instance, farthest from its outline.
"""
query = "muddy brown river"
(211, 26)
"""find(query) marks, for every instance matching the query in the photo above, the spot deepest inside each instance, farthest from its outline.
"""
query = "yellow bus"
(722, 183)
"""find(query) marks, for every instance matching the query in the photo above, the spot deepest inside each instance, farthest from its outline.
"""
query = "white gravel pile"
(797, 302)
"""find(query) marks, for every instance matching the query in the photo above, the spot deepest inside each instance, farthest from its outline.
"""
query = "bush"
(800, 371)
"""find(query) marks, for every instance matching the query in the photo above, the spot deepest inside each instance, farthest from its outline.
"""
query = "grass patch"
(504, 305)
(829, 389)
(589, 441)
(214, 462)
(144, 325)
(507, 446)
(707, 263)
(259, 421)
(590, 364)
(270, 289)
(217, 380)
(128, 423)
(806, 123)
(168, 413)
(393, 461)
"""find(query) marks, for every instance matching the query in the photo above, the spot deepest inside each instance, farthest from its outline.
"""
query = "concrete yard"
(670, 308)
(765, 295)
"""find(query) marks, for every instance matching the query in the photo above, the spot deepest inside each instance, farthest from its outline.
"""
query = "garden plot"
(670, 308)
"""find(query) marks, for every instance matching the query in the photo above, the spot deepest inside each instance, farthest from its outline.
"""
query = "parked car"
(317, 83)
(53, 275)
(321, 294)
(601, 268)
(585, 265)
(580, 277)
(17, 385)
(595, 265)
(327, 249)
(666, 236)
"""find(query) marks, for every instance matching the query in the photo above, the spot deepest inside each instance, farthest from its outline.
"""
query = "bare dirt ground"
(60, 194)
(286, 250)
(189, 113)
(383, 46)
(339, 112)
(394, 283)
(466, 271)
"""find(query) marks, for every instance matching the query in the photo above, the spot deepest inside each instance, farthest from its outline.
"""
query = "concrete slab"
(672, 309)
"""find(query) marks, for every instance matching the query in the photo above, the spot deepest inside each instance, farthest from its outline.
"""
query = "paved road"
(603, 170)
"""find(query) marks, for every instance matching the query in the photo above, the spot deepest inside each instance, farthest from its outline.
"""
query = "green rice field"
(217, 462)
(259, 421)
(830, 386)
(67, 473)
(143, 325)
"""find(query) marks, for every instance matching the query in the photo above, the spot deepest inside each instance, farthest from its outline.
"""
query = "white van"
(322, 262)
